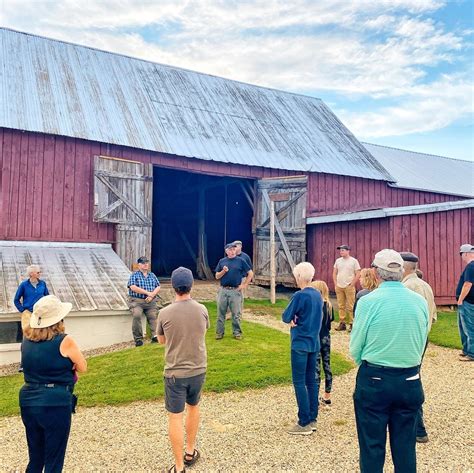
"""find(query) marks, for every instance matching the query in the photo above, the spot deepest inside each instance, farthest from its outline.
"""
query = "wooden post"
(272, 253)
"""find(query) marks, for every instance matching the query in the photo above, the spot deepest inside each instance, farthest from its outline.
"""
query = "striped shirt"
(390, 327)
(148, 283)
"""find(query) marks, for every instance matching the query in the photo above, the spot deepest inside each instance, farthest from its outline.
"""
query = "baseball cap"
(344, 247)
(143, 259)
(230, 245)
(389, 260)
(182, 277)
(409, 256)
(466, 248)
(237, 242)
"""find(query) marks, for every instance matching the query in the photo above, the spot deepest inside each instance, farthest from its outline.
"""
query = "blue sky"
(396, 72)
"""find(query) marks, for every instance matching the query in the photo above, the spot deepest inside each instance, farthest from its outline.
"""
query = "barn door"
(123, 192)
(289, 197)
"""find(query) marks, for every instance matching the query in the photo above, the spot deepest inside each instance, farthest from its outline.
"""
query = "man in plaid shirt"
(143, 287)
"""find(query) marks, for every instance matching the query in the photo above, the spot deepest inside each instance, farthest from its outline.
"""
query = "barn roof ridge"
(161, 64)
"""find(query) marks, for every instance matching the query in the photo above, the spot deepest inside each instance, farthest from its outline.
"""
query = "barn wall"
(329, 194)
(46, 184)
(434, 237)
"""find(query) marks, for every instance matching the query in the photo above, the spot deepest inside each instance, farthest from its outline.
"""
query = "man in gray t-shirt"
(182, 327)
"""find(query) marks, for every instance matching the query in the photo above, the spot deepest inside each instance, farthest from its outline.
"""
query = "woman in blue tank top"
(50, 359)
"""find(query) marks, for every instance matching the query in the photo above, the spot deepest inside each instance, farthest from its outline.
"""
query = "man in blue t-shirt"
(230, 271)
(465, 300)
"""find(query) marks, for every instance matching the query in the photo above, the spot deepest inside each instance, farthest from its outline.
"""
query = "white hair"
(32, 268)
(304, 272)
(385, 275)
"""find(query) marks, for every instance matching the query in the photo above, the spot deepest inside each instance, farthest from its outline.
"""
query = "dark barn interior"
(194, 215)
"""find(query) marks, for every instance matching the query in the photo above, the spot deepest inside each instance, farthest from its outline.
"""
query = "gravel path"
(244, 431)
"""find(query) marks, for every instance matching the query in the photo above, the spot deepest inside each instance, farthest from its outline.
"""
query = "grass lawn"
(445, 331)
(261, 359)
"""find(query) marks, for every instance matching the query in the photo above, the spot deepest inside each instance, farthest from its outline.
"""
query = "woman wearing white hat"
(49, 358)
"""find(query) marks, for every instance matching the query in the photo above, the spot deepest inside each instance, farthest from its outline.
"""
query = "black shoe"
(423, 439)
(154, 339)
(326, 402)
(139, 343)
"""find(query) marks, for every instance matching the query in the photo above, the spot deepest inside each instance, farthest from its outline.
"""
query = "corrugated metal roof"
(54, 87)
(426, 172)
(90, 276)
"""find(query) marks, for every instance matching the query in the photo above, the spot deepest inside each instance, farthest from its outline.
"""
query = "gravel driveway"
(245, 431)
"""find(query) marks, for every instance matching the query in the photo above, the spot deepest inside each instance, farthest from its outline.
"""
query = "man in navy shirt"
(230, 271)
(143, 287)
(29, 292)
(465, 300)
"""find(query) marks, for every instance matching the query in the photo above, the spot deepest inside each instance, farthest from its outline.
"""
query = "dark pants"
(385, 398)
(420, 422)
(47, 433)
(306, 384)
(324, 356)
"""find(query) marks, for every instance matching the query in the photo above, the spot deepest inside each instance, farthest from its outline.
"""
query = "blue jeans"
(306, 384)
(387, 398)
(466, 327)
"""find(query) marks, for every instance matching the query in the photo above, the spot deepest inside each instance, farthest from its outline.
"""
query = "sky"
(396, 72)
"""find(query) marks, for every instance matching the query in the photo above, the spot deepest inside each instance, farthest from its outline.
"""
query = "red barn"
(98, 147)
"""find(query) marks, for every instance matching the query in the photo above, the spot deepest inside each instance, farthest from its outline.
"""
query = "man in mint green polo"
(387, 342)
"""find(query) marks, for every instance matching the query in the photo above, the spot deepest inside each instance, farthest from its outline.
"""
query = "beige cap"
(49, 310)
(389, 260)
(466, 248)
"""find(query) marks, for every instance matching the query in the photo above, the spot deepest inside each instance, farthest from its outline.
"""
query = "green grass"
(444, 332)
(261, 359)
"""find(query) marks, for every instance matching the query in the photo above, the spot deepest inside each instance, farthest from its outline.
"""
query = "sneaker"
(139, 343)
(219, 336)
(297, 429)
(341, 327)
(238, 336)
(154, 339)
(312, 424)
(423, 439)
(326, 402)
(466, 358)
(462, 354)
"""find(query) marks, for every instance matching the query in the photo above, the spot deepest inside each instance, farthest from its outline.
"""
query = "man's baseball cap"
(182, 277)
(143, 259)
(466, 248)
(230, 245)
(389, 260)
(237, 242)
(343, 247)
(409, 256)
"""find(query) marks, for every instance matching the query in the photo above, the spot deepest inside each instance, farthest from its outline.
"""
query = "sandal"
(174, 470)
(191, 458)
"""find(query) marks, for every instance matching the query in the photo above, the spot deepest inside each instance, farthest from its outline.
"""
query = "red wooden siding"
(330, 194)
(434, 237)
(46, 184)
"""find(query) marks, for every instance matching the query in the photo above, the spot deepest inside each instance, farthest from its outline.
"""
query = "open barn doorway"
(194, 215)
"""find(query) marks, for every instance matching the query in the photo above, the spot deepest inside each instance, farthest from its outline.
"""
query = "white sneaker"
(297, 429)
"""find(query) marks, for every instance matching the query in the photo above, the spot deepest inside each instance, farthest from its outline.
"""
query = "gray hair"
(385, 275)
(410, 266)
(304, 272)
(33, 268)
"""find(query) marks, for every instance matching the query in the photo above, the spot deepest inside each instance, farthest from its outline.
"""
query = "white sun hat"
(49, 310)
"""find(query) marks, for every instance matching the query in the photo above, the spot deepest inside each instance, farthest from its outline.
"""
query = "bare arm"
(247, 280)
(334, 276)
(162, 339)
(139, 290)
(356, 277)
(221, 273)
(70, 349)
(466, 287)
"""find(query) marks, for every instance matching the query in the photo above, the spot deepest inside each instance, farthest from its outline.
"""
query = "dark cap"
(344, 247)
(230, 245)
(182, 277)
(143, 259)
(409, 256)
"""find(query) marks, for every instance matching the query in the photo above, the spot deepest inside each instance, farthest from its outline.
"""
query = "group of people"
(393, 315)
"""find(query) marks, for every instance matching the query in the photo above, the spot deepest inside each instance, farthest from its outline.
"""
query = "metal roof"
(426, 172)
(59, 88)
(89, 275)
(392, 212)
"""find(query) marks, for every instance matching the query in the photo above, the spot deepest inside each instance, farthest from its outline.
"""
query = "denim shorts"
(179, 391)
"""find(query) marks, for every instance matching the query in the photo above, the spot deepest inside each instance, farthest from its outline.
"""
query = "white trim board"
(392, 212)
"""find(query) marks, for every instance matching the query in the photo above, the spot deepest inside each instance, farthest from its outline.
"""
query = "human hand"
(225, 269)
(149, 299)
(293, 324)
